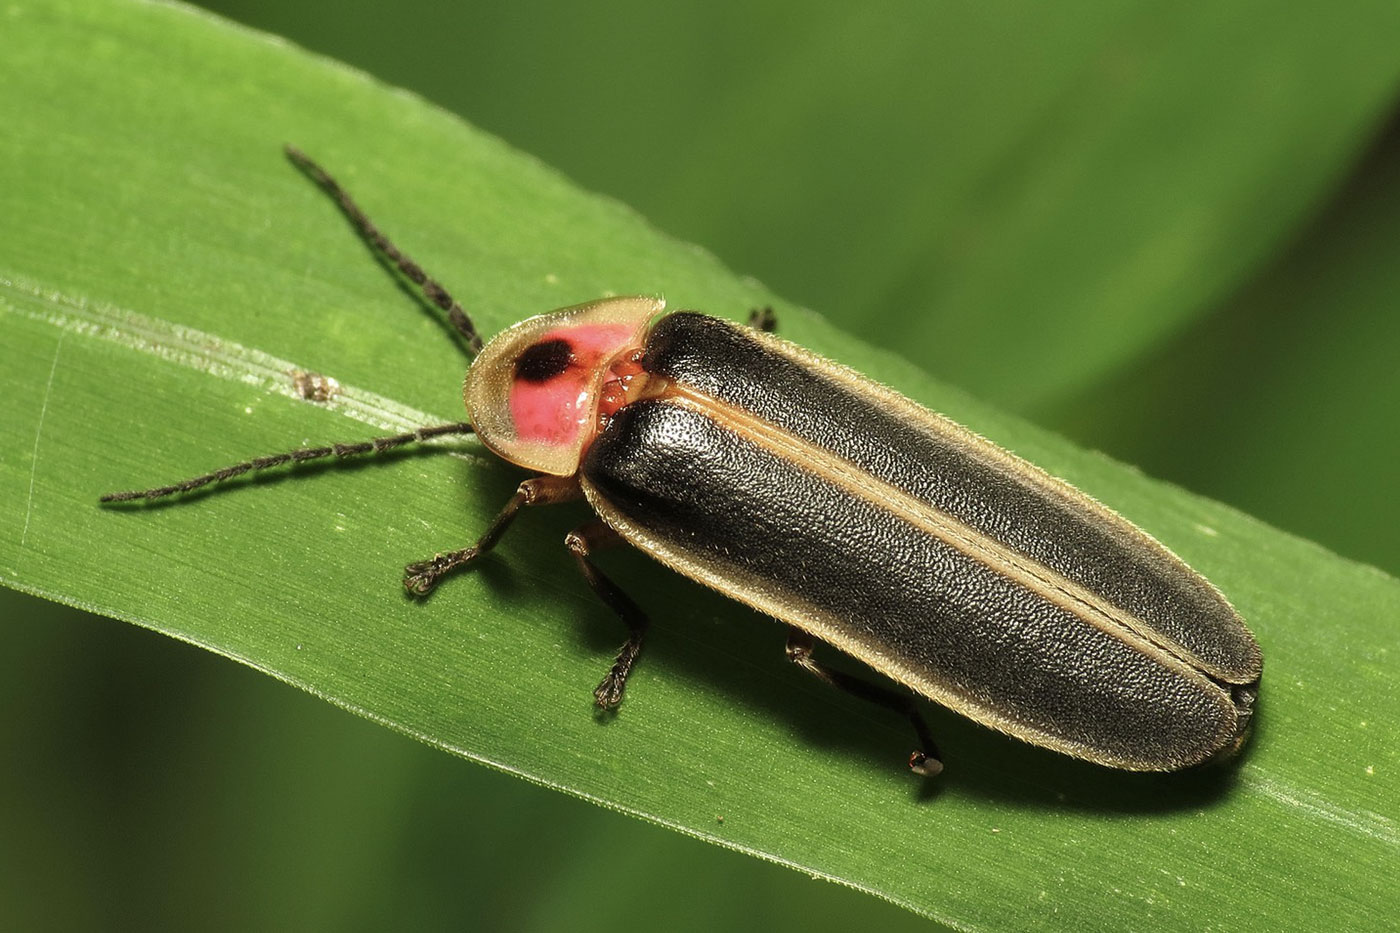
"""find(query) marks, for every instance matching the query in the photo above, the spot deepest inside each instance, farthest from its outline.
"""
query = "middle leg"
(583, 541)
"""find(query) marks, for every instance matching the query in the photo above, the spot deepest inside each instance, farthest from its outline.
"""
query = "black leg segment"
(925, 759)
(582, 542)
(420, 578)
(763, 319)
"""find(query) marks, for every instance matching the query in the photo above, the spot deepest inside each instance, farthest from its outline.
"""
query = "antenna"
(372, 235)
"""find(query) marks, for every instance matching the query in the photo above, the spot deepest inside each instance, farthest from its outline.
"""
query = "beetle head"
(533, 392)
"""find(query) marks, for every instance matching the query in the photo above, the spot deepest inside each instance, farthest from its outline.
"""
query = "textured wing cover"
(726, 511)
(961, 474)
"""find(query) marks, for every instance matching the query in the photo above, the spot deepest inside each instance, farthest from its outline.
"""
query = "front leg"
(420, 578)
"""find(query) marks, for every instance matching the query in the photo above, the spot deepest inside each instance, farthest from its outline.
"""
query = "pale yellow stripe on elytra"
(1034, 576)
(761, 595)
(979, 448)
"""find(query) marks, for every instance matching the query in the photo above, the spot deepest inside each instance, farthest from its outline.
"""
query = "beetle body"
(838, 506)
(846, 511)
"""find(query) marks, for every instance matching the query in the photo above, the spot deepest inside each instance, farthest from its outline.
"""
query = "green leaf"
(1291, 385)
(1023, 197)
(162, 273)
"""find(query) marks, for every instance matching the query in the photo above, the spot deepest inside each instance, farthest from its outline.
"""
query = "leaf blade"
(297, 578)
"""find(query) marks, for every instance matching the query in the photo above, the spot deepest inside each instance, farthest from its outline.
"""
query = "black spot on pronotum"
(544, 360)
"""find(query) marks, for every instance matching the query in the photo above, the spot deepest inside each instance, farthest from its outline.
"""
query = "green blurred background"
(1168, 231)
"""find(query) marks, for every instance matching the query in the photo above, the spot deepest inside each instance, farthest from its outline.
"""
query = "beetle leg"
(925, 759)
(582, 541)
(420, 578)
(763, 319)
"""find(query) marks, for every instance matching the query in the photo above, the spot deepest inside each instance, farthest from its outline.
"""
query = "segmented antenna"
(433, 291)
(301, 455)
